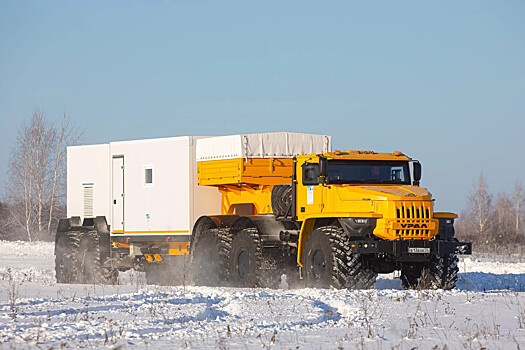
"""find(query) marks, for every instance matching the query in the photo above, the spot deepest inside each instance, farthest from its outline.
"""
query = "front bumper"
(409, 249)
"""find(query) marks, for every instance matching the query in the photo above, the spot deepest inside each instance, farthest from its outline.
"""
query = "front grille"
(414, 216)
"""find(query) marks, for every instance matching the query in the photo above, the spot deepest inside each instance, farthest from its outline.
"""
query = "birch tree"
(518, 199)
(36, 179)
(480, 207)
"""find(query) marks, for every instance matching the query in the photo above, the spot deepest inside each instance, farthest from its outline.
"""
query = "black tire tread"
(440, 273)
(222, 241)
(348, 271)
(253, 233)
(69, 253)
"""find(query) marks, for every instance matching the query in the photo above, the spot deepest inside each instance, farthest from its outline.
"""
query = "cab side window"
(310, 174)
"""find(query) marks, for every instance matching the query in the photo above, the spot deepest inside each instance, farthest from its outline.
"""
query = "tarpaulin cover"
(263, 145)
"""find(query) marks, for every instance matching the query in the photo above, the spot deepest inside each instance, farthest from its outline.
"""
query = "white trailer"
(144, 188)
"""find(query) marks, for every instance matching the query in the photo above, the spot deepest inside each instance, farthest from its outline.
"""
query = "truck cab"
(374, 200)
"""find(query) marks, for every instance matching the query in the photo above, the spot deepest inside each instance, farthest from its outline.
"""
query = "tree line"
(493, 220)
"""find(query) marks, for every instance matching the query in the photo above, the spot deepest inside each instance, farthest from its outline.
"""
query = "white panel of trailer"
(164, 204)
(262, 145)
(156, 191)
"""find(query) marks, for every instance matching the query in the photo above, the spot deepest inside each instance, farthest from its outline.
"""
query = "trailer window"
(148, 176)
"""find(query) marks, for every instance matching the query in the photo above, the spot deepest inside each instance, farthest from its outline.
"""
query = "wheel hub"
(243, 264)
(318, 264)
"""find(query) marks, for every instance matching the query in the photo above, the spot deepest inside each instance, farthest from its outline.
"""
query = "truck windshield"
(368, 171)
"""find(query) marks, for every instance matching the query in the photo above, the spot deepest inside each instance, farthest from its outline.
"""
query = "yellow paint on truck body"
(255, 171)
(245, 181)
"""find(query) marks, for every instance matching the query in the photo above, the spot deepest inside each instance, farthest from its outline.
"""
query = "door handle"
(114, 201)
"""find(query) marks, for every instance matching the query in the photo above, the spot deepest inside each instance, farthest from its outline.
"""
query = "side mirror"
(323, 167)
(417, 172)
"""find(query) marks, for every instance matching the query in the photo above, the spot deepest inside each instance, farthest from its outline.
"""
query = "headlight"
(360, 221)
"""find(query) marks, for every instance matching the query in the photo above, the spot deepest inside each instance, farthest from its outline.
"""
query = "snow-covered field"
(487, 310)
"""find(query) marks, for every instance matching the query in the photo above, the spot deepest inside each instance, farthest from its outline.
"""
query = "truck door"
(117, 217)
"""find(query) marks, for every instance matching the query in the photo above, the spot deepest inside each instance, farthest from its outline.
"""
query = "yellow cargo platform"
(253, 171)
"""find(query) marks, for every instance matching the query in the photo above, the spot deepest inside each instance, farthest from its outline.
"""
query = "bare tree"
(480, 207)
(65, 135)
(502, 219)
(36, 180)
(518, 199)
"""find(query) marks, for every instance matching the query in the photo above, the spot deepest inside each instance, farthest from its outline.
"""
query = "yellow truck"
(243, 210)
(342, 217)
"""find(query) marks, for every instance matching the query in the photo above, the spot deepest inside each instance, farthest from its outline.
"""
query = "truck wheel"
(209, 258)
(245, 260)
(444, 271)
(330, 263)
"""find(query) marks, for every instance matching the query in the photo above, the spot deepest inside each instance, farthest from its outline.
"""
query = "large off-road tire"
(209, 253)
(65, 263)
(281, 199)
(444, 271)
(88, 262)
(440, 273)
(329, 262)
(245, 261)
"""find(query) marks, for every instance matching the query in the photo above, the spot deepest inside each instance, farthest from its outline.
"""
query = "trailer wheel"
(330, 263)
(209, 257)
(66, 257)
(64, 267)
(89, 264)
(245, 260)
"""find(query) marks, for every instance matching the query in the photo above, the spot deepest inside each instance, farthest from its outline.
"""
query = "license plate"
(419, 250)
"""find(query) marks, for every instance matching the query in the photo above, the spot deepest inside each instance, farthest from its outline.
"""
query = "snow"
(486, 310)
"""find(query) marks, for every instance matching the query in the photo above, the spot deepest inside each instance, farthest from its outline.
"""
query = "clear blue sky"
(443, 81)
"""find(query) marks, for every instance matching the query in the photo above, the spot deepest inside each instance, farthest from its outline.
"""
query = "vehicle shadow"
(473, 281)
(488, 282)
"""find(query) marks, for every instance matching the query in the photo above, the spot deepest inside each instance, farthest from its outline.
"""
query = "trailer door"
(117, 217)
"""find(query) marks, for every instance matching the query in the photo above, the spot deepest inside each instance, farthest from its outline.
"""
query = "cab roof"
(366, 155)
